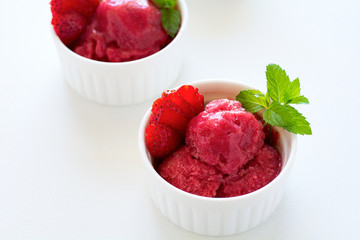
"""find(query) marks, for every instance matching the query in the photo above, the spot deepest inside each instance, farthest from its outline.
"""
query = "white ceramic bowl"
(125, 83)
(217, 216)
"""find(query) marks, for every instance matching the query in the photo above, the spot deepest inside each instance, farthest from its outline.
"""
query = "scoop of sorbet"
(256, 174)
(123, 30)
(224, 135)
(189, 174)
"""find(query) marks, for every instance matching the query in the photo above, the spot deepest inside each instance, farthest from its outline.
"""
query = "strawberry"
(167, 112)
(161, 140)
(192, 96)
(176, 98)
(170, 115)
(86, 8)
(70, 17)
(69, 26)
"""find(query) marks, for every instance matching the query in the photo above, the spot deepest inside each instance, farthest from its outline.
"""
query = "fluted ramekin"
(125, 83)
(217, 216)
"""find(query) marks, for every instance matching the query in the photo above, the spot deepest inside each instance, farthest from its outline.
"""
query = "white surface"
(70, 169)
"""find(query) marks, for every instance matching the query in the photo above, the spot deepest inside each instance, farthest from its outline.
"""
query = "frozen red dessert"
(190, 174)
(225, 135)
(254, 175)
(110, 30)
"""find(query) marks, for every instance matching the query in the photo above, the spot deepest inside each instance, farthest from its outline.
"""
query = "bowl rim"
(150, 169)
(184, 21)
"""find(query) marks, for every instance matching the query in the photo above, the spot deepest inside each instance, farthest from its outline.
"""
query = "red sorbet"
(225, 135)
(123, 30)
(189, 174)
(256, 174)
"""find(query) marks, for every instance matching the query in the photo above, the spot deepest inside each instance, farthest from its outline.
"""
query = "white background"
(70, 168)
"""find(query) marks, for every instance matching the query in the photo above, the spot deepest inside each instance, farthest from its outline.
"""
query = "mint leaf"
(299, 100)
(287, 117)
(298, 123)
(170, 19)
(277, 82)
(252, 100)
(165, 3)
(292, 91)
(292, 94)
(276, 115)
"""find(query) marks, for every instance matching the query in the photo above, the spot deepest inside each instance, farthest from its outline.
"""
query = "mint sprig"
(170, 16)
(281, 92)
